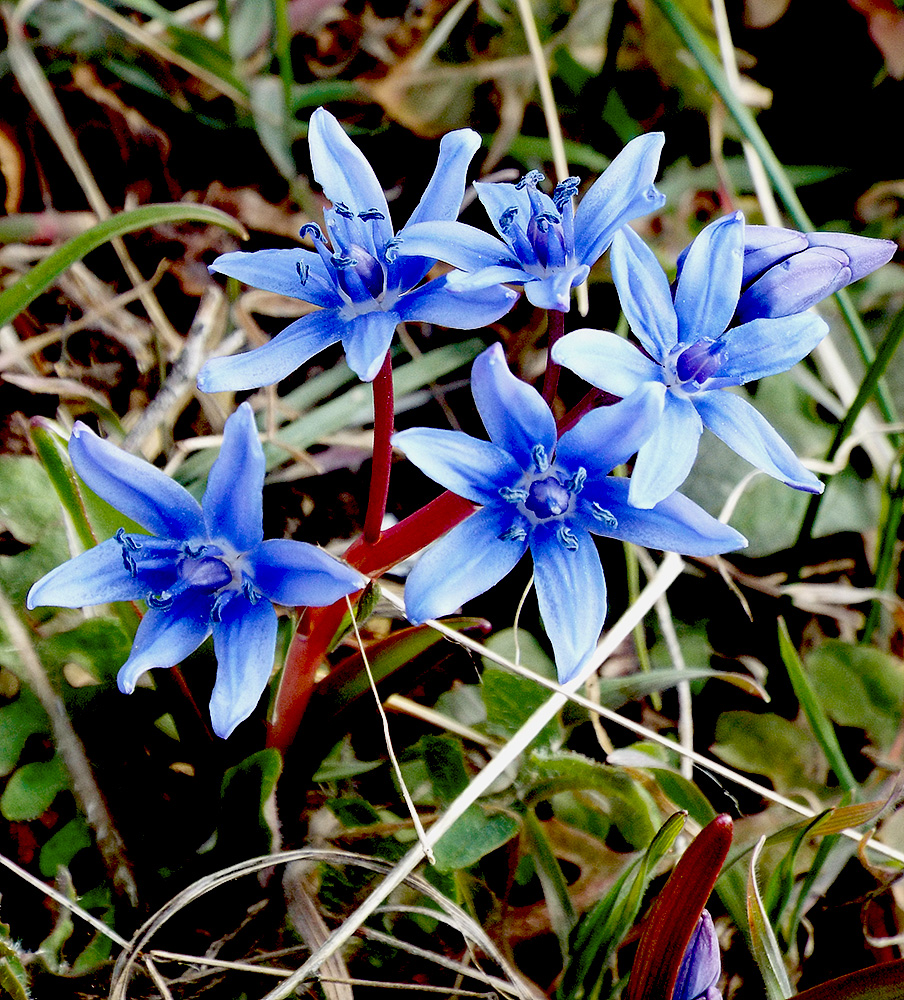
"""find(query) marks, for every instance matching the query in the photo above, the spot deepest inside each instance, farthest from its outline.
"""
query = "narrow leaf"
(762, 938)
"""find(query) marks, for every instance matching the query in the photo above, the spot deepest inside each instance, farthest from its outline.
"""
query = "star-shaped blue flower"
(203, 568)
(546, 245)
(701, 965)
(548, 496)
(363, 290)
(689, 355)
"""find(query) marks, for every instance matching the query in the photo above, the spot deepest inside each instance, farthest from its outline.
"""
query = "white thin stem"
(415, 819)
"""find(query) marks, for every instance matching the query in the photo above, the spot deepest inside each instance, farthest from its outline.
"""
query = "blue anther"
(507, 219)
(574, 484)
(513, 534)
(512, 494)
(606, 517)
(313, 230)
(194, 553)
(342, 262)
(162, 602)
(531, 179)
(303, 271)
(343, 210)
(565, 191)
(126, 541)
(250, 591)
(391, 250)
(567, 538)
(129, 563)
(540, 458)
(371, 214)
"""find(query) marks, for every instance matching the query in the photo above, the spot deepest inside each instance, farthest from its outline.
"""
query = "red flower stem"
(556, 327)
(318, 626)
(384, 412)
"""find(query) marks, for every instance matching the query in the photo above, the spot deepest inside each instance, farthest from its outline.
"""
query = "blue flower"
(548, 496)
(688, 357)
(364, 292)
(203, 568)
(546, 245)
(701, 965)
(786, 272)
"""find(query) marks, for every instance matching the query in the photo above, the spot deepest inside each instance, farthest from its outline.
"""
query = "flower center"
(692, 367)
(547, 241)
(204, 571)
(547, 498)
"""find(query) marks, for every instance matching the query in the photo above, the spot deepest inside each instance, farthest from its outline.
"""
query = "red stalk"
(384, 412)
(556, 327)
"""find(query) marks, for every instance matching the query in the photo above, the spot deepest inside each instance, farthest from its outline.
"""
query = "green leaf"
(562, 916)
(819, 722)
(244, 794)
(20, 295)
(762, 938)
(98, 645)
(473, 835)
(445, 763)
(13, 976)
(19, 720)
(63, 846)
(31, 790)
(859, 686)
(881, 982)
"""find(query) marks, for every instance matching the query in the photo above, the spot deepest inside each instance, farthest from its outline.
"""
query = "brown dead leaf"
(885, 24)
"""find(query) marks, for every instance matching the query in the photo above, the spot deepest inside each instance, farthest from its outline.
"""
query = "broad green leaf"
(272, 124)
(245, 791)
(31, 790)
(474, 834)
(63, 846)
(445, 763)
(21, 294)
(341, 764)
(98, 645)
(859, 686)
(819, 723)
(19, 719)
(764, 944)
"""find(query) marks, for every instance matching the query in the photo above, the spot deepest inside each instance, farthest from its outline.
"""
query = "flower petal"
(624, 192)
(278, 271)
(499, 198)
(554, 292)
(745, 430)
(765, 246)
(467, 561)
(701, 965)
(472, 468)
(366, 339)
(299, 575)
(606, 360)
(571, 591)
(166, 636)
(135, 487)
(513, 412)
(644, 293)
(767, 346)
(496, 274)
(710, 283)
(276, 359)
(665, 459)
(233, 503)
(94, 577)
(457, 244)
(437, 302)
(244, 640)
(610, 435)
(343, 172)
(675, 524)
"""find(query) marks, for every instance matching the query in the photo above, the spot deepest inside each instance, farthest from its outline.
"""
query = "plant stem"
(384, 411)
(556, 325)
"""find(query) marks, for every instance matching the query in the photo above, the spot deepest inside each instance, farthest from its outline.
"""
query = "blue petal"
(467, 561)
(166, 636)
(134, 487)
(278, 271)
(457, 244)
(366, 339)
(443, 195)
(498, 199)
(299, 575)
(624, 192)
(675, 524)
(571, 591)
(244, 640)
(701, 965)
(436, 302)
(606, 360)
(471, 468)
(94, 577)
(746, 431)
(276, 359)
(710, 283)
(795, 284)
(610, 435)
(496, 274)
(864, 254)
(346, 177)
(554, 292)
(513, 412)
(644, 293)
(767, 346)
(765, 246)
(233, 503)
(665, 459)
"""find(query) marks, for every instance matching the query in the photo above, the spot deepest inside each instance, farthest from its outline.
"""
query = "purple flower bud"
(701, 965)
(786, 272)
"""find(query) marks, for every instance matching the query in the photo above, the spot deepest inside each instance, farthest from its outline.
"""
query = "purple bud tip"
(701, 965)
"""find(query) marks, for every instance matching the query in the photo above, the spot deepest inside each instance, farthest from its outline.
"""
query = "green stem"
(283, 38)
